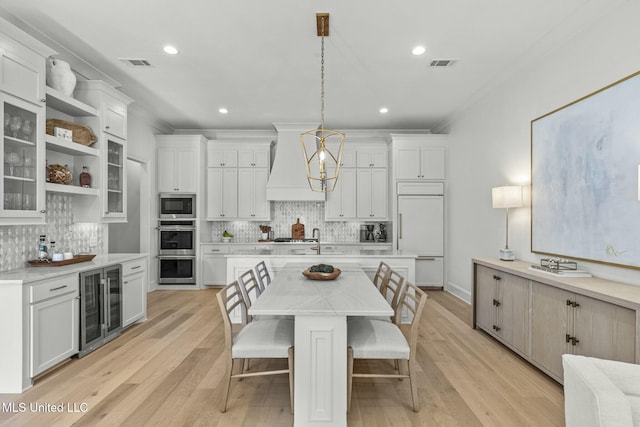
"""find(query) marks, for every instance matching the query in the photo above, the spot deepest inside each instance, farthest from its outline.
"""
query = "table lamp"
(509, 196)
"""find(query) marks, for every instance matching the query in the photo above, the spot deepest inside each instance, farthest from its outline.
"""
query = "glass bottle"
(85, 178)
(42, 247)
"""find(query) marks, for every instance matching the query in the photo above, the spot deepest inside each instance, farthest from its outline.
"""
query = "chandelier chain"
(322, 77)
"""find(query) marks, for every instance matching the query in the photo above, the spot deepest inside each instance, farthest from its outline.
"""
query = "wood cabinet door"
(186, 171)
(485, 294)
(513, 311)
(341, 202)
(432, 163)
(379, 191)
(55, 327)
(407, 164)
(222, 194)
(550, 323)
(604, 330)
(133, 296)
(166, 170)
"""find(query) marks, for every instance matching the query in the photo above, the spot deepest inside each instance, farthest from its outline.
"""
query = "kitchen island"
(368, 259)
(40, 308)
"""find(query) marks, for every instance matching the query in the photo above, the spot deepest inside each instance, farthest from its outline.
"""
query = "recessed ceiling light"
(223, 110)
(418, 50)
(384, 110)
(170, 50)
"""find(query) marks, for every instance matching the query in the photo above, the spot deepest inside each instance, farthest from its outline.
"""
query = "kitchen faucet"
(313, 236)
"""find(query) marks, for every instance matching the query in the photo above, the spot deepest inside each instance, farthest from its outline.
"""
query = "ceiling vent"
(136, 62)
(439, 63)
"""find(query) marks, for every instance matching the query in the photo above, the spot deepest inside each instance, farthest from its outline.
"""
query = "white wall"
(490, 141)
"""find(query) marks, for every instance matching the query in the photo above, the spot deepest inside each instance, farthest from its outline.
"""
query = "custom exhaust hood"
(288, 178)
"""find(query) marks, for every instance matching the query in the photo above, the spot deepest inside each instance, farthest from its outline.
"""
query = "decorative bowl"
(226, 239)
(314, 275)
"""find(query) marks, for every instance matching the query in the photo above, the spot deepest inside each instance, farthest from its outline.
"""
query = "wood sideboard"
(541, 316)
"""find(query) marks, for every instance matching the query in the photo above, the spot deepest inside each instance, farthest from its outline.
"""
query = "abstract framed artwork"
(585, 161)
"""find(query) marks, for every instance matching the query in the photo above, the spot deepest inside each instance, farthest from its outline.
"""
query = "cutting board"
(297, 230)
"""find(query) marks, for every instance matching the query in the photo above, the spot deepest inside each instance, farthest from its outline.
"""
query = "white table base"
(320, 367)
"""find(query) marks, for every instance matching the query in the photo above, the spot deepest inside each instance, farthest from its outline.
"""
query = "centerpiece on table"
(322, 272)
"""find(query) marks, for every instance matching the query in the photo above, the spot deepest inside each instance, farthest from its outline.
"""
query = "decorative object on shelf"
(27, 130)
(322, 272)
(265, 229)
(59, 174)
(323, 147)
(81, 134)
(60, 76)
(508, 196)
(48, 263)
(13, 160)
(15, 124)
(85, 178)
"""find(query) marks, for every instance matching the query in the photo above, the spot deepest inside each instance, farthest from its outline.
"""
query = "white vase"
(60, 77)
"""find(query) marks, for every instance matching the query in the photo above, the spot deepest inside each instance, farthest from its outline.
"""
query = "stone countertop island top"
(31, 274)
(354, 252)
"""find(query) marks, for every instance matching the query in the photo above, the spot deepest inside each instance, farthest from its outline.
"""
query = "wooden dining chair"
(250, 288)
(266, 339)
(393, 287)
(381, 276)
(375, 339)
(264, 278)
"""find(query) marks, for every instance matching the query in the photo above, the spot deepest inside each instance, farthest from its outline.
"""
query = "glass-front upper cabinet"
(21, 162)
(115, 178)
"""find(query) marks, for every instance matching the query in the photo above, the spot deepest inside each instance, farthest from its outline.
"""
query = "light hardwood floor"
(167, 372)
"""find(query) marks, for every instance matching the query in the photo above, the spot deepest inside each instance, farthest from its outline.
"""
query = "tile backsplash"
(18, 243)
(283, 215)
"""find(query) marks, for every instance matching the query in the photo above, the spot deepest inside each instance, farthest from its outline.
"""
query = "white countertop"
(351, 294)
(33, 274)
(354, 252)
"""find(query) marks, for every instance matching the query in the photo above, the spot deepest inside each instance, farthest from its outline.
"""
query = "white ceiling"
(261, 59)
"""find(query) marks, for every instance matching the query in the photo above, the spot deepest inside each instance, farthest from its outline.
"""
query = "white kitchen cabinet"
(54, 321)
(252, 194)
(22, 162)
(214, 264)
(372, 194)
(22, 102)
(372, 156)
(419, 157)
(134, 291)
(341, 202)
(254, 156)
(179, 163)
(109, 177)
(222, 194)
(237, 175)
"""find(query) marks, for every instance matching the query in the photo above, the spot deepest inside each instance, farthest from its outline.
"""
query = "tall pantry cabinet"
(419, 208)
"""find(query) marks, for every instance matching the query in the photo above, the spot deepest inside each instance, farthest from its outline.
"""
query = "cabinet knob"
(567, 338)
(43, 100)
(569, 302)
(574, 341)
(43, 211)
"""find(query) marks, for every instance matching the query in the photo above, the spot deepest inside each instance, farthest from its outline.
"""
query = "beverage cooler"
(100, 307)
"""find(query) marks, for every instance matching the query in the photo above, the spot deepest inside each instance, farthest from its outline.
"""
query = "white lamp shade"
(509, 196)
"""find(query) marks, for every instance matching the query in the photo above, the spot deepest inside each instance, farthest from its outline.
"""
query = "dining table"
(320, 309)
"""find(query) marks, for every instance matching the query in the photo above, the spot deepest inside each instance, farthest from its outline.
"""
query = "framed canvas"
(585, 161)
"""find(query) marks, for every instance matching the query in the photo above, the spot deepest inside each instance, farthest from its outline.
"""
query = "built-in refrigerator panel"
(420, 229)
(420, 225)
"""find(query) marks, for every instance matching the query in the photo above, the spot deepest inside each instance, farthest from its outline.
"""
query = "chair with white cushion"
(264, 278)
(266, 339)
(376, 339)
(392, 290)
(249, 287)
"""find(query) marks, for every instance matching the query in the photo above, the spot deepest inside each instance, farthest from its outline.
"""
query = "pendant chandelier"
(322, 147)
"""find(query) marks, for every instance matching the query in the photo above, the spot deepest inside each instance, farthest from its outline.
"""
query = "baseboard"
(458, 291)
